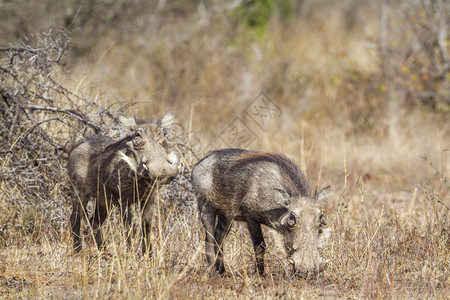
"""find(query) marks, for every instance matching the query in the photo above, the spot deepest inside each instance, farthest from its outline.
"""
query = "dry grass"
(389, 208)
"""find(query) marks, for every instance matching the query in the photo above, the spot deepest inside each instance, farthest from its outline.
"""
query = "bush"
(40, 118)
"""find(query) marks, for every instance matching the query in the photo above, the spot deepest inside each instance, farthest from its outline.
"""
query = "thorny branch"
(433, 197)
(444, 179)
(436, 170)
(39, 117)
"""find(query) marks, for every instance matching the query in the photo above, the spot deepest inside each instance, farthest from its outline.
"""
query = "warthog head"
(150, 143)
(304, 232)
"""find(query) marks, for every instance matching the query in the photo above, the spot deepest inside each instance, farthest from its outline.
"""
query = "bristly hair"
(285, 164)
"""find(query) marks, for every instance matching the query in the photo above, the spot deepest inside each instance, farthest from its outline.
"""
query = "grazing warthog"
(120, 173)
(260, 188)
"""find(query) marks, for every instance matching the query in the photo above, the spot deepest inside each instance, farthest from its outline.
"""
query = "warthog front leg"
(147, 218)
(220, 232)
(208, 218)
(75, 222)
(97, 219)
(258, 244)
(127, 217)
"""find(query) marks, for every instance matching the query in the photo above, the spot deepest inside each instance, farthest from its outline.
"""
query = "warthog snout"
(170, 169)
(306, 269)
(164, 171)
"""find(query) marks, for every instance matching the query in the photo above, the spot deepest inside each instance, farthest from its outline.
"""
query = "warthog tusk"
(291, 262)
(172, 158)
(145, 167)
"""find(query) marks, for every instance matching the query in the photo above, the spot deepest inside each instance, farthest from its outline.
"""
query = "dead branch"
(430, 163)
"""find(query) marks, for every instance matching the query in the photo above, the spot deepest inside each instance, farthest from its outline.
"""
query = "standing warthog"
(120, 172)
(260, 188)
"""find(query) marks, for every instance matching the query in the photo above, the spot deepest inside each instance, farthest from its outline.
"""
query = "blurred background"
(352, 75)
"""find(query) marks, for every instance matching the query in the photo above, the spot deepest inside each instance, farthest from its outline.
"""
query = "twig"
(76, 14)
(436, 170)
(188, 148)
(433, 196)
(20, 49)
(74, 113)
(70, 112)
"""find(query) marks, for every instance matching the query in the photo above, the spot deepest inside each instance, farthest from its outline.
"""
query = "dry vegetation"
(363, 95)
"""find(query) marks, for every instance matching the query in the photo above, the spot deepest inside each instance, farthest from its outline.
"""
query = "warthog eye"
(138, 143)
(169, 135)
(164, 143)
(322, 220)
(290, 250)
(292, 220)
(138, 133)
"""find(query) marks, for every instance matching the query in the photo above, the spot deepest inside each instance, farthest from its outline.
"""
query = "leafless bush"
(39, 120)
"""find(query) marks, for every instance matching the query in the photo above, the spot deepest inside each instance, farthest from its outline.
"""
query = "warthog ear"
(322, 220)
(322, 195)
(290, 219)
(128, 122)
(167, 120)
(166, 123)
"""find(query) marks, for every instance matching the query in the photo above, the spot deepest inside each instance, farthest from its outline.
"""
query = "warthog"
(120, 173)
(260, 188)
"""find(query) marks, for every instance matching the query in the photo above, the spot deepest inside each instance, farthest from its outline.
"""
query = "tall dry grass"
(389, 208)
